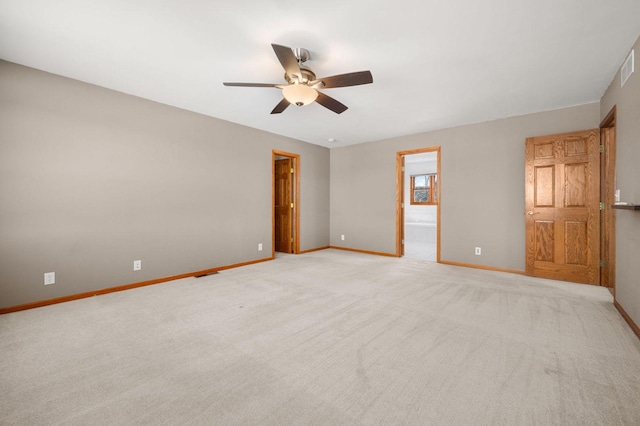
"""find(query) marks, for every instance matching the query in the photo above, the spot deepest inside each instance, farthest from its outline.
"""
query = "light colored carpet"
(420, 241)
(329, 337)
(420, 250)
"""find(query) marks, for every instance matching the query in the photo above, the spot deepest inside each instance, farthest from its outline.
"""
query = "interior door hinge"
(601, 149)
(402, 205)
(291, 205)
(402, 242)
(602, 263)
(601, 206)
(292, 170)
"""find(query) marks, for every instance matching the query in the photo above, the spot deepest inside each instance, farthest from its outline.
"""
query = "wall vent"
(627, 69)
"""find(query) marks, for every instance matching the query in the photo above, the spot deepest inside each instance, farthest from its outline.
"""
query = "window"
(424, 189)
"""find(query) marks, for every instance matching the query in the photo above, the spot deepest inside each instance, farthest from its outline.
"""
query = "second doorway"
(420, 205)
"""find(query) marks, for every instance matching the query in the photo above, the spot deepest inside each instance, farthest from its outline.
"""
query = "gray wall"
(627, 101)
(92, 179)
(482, 184)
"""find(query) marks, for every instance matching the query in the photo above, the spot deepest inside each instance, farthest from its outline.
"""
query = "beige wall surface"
(627, 102)
(92, 179)
(482, 187)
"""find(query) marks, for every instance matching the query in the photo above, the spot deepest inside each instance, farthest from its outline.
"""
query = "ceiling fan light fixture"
(299, 94)
(302, 85)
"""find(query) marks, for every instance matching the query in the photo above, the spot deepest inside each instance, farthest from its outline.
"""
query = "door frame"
(400, 198)
(295, 196)
(607, 190)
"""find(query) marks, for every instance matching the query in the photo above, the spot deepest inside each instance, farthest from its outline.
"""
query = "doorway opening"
(608, 198)
(418, 203)
(285, 202)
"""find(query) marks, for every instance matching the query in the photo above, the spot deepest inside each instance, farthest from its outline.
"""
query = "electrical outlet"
(478, 251)
(259, 246)
(137, 265)
(49, 278)
(342, 237)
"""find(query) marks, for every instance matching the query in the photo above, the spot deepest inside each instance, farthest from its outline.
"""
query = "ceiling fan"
(302, 87)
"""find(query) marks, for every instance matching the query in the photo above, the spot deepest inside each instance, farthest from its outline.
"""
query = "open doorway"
(608, 198)
(285, 196)
(419, 202)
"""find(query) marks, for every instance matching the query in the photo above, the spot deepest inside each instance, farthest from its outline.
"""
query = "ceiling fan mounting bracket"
(301, 54)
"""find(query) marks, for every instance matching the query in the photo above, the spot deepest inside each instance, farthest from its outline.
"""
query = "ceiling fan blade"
(345, 80)
(287, 59)
(281, 106)
(330, 103)
(251, 84)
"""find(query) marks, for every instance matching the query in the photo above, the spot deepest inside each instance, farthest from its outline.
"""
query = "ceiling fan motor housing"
(302, 55)
(307, 76)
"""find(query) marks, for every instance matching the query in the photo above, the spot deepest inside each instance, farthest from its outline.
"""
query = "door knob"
(531, 212)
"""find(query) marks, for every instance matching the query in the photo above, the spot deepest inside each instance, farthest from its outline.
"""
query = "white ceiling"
(435, 64)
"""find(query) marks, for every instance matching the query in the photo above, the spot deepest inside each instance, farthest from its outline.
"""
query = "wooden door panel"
(562, 202)
(544, 186)
(544, 150)
(544, 241)
(575, 243)
(283, 214)
(575, 146)
(575, 185)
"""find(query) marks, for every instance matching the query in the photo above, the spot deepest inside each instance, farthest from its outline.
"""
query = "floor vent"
(206, 275)
(627, 69)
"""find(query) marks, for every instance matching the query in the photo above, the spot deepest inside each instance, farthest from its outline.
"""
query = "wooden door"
(563, 206)
(283, 206)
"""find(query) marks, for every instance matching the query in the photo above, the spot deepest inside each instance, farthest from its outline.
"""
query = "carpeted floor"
(420, 241)
(327, 338)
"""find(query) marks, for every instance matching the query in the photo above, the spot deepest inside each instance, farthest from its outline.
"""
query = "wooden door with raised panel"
(283, 208)
(562, 180)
